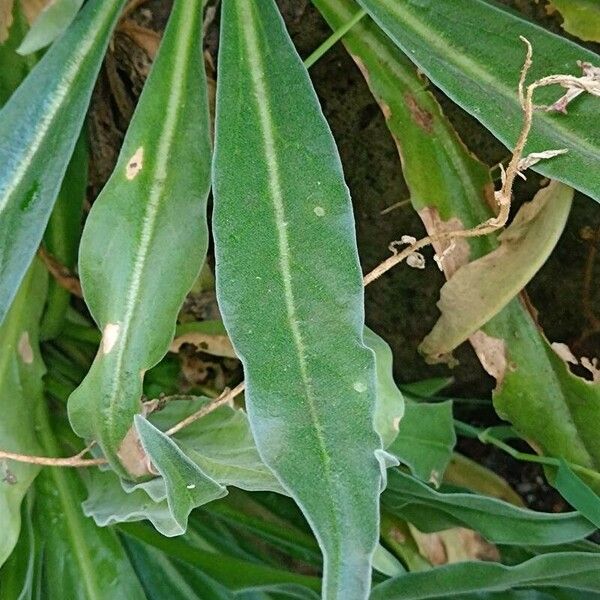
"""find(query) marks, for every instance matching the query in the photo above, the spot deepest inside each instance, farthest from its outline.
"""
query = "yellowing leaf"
(482, 288)
(581, 17)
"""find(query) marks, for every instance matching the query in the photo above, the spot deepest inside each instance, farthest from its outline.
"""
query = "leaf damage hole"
(24, 348)
(135, 164)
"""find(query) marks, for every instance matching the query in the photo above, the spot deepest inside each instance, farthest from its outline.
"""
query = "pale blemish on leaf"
(24, 348)
(319, 211)
(132, 455)
(110, 337)
(492, 354)
(360, 387)
(135, 164)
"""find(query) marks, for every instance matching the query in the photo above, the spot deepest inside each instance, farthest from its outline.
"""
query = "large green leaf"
(480, 73)
(21, 392)
(145, 240)
(498, 521)
(535, 389)
(39, 126)
(289, 287)
(575, 571)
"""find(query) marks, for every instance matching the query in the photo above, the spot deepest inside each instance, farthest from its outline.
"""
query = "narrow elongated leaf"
(90, 560)
(565, 570)
(186, 484)
(579, 495)
(51, 22)
(21, 392)
(234, 573)
(289, 287)
(535, 389)
(498, 521)
(482, 288)
(145, 239)
(54, 98)
(480, 73)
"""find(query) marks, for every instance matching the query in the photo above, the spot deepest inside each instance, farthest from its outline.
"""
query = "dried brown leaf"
(482, 288)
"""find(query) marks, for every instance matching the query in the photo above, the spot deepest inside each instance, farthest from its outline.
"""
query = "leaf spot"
(396, 423)
(191, 486)
(135, 164)
(360, 387)
(24, 348)
(110, 336)
(319, 211)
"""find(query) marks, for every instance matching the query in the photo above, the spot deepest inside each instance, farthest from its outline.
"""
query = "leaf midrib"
(158, 177)
(262, 101)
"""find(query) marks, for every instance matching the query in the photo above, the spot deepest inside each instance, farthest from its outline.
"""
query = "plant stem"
(335, 37)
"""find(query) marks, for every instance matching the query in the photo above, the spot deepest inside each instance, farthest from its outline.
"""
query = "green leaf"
(50, 24)
(220, 443)
(21, 393)
(145, 240)
(289, 287)
(480, 289)
(164, 578)
(564, 570)
(480, 73)
(449, 187)
(186, 484)
(234, 573)
(577, 493)
(580, 17)
(389, 409)
(426, 440)
(54, 97)
(90, 560)
(110, 501)
(61, 238)
(498, 521)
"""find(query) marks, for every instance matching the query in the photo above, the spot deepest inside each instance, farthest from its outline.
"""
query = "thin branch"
(63, 276)
(48, 461)
(504, 195)
(225, 398)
